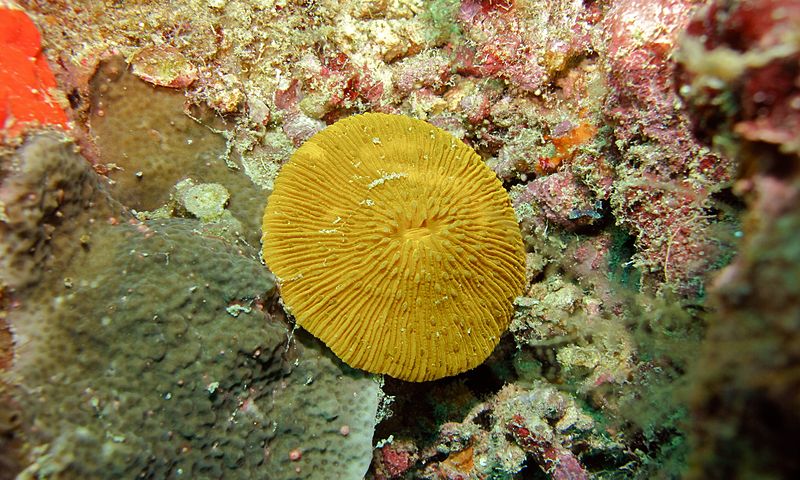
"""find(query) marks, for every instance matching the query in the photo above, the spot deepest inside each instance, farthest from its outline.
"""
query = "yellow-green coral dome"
(396, 246)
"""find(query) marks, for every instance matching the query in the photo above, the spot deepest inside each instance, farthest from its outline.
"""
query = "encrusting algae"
(396, 246)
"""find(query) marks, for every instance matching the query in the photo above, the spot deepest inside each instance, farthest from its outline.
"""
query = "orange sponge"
(26, 81)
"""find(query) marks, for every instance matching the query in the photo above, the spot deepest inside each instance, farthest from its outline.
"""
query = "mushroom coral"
(396, 246)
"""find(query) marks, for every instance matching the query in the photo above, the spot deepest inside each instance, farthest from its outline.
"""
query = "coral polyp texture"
(396, 246)
(168, 363)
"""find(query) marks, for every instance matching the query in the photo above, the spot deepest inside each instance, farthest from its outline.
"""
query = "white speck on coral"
(385, 177)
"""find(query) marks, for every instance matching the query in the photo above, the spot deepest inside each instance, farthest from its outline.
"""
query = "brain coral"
(142, 349)
(396, 246)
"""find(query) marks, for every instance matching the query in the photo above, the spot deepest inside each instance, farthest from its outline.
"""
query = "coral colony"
(387, 190)
(399, 239)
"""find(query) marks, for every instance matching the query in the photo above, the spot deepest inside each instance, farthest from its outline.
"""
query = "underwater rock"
(431, 69)
(516, 157)
(163, 65)
(525, 45)
(262, 163)
(591, 347)
(564, 200)
(665, 179)
(147, 349)
(740, 78)
(394, 459)
(497, 436)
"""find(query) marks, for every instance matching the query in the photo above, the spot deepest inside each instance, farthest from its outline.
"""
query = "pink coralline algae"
(669, 219)
(666, 178)
(753, 73)
(590, 262)
(641, 37)
(298, 126)
(338, 85)
(476, 105)
(432, 70)
(554, 459)
(519, 47)
(563, 200)
(394, 460)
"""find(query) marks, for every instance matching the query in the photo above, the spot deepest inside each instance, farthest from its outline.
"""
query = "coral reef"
(511, 45)
(497, 436)
(739, 76)
(166, 147)
(526, 83)
(166, 356)
(562, 200)
(666, 179)
(629, 134)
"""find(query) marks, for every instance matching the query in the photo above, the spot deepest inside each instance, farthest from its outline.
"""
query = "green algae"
(620, 265)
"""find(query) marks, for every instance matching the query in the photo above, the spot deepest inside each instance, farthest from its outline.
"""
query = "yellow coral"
(396, 246)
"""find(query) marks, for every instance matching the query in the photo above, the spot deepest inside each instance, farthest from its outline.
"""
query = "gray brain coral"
(143, 349)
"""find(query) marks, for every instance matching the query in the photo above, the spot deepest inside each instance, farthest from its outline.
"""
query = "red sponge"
(26, 81)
